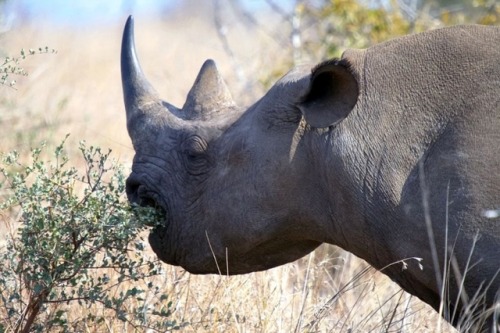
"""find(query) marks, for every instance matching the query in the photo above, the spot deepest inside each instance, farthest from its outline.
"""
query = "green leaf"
(74, 225)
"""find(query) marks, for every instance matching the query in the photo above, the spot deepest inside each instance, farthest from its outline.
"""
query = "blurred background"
(76, 89)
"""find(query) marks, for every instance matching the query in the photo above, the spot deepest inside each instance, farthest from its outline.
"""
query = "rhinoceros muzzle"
(140, 195)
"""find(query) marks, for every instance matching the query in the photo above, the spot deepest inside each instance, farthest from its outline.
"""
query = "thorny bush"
(74, 242)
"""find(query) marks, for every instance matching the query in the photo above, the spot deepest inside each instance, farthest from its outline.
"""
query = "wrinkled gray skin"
(339, 155)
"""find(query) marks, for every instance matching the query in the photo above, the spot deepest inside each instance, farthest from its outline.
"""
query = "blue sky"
(76, 12)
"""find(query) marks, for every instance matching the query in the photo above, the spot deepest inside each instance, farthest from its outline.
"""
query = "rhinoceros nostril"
(148, 202)
(132, 190)
(140, 195)
(137, 193)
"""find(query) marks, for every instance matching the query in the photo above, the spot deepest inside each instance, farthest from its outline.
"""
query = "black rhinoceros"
(390, 152)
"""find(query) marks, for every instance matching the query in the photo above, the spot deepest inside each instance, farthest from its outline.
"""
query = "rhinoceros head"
(238, 186)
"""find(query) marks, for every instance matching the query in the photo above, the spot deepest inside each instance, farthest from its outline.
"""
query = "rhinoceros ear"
(333, 92)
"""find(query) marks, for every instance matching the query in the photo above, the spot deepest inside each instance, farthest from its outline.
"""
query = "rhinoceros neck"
(422, 132)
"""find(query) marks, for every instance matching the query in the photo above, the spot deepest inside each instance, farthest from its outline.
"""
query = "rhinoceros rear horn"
(137, 91)
(209, 93)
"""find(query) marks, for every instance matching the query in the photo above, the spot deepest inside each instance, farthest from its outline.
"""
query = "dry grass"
(78, 91)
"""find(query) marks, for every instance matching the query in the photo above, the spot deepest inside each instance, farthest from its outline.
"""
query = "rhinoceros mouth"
(140, 195)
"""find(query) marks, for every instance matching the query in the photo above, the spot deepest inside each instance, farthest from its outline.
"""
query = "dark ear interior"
(332, 94)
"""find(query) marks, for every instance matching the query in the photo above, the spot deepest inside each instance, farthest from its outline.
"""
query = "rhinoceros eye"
(195, 146)
(195, 149)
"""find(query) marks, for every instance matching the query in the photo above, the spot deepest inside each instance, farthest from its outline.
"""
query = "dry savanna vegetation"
(77, 90)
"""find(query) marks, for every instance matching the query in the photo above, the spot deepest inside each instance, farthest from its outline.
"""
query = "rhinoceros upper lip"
(139, 194)
(150, 200)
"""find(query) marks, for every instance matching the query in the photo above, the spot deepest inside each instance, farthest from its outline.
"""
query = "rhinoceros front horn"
(137, 91)
(209, 93)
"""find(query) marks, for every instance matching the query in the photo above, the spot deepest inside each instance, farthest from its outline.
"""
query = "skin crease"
(344, 154)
